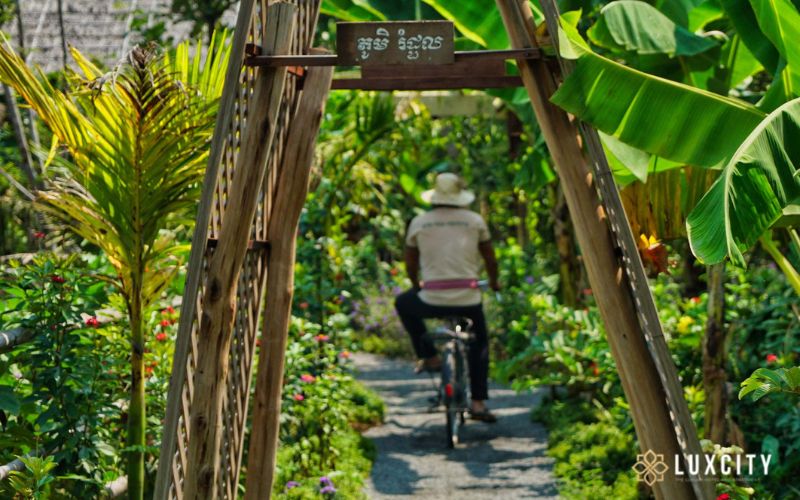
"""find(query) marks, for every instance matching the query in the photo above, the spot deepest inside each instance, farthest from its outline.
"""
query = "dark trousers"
(413, 312)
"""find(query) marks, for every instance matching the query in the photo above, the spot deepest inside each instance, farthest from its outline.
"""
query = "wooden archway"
(244, 240)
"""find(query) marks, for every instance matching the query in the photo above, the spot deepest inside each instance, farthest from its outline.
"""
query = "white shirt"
(447, 239)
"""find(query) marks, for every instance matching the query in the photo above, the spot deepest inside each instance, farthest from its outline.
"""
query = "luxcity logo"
(651, 467)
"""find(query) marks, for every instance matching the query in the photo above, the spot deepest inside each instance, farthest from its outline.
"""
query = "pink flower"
(771, 358)
(38, 235)
(724, 496)
(344, 354)
(298, 397)
(303, 305)
(161, 337)
(321, 338)
(92, 322)
(307, 378)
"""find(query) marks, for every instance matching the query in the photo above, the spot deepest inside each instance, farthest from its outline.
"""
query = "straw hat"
(449, 190)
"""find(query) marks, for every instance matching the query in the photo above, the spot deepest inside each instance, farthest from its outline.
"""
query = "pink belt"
(449, 284)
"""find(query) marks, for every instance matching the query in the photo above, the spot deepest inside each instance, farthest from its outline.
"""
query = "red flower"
(161, 337)
(724, 496)
(696, 300)
(57, 279)
(586, 291)
(298, 397)
(303, 305)
(321, 338)
(595, 369)
(771, 358)
(165, 323)
(394, 271)
(148, 370)
(308, 378)
(92, 322)
(38, 235)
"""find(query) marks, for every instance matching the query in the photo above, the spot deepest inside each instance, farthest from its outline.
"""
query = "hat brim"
(462, 199)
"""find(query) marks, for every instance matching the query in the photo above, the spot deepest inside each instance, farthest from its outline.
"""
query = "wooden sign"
(395, 43)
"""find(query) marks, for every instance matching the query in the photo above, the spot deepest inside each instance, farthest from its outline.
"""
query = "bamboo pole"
(219, 306)
(291, 189)
(638, 372)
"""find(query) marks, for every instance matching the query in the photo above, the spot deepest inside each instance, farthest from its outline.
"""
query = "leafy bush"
(593, 458)
(56, 390)
(322, 408)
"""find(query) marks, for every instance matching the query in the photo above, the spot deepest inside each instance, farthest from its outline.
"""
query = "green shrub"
(323, 408)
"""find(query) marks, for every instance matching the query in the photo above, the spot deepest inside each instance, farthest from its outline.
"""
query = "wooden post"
(219, 307)
(290, 195)
(196, 259)
(641, 380)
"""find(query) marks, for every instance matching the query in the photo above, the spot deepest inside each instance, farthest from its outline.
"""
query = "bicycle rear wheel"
(450, 389)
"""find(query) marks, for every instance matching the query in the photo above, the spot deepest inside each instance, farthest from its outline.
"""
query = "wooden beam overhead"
(427, 83)
(333, 59)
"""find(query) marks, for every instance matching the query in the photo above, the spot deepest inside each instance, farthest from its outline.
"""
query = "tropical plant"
(135, 149)
(764, 381)
(621, 102)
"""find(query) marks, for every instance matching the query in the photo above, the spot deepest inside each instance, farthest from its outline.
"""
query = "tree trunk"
(719, 426)
(22, 141)
(136, 410)
(515, 131)
(34, 134)
(568, 266)
(63, 34)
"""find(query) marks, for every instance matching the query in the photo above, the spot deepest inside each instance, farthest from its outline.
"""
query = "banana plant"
(694, 127)
(133, 146)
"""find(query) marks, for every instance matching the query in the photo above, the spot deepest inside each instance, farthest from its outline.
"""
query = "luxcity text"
(709, 465)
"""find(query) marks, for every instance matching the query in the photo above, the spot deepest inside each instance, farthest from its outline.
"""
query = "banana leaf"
(700, 16)
(756, 187)
(635, 26)
(677, 10)
(478, 20)
(351, 10)
(741, 15)
(675, 121)
(780, 22)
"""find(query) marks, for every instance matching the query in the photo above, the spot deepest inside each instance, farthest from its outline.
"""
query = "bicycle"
(454, 386)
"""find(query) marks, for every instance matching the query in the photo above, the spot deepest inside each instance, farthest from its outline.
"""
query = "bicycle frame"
(453, 390)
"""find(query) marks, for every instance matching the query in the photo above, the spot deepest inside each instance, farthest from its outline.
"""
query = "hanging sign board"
(394, 43)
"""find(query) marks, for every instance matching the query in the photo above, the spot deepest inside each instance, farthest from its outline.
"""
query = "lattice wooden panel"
(253, 276)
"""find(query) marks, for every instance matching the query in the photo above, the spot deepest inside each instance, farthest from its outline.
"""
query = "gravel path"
(498, 461)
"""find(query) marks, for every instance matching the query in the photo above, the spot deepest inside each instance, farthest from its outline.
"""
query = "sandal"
(483, 416)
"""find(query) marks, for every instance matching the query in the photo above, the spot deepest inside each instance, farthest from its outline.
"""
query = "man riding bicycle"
(447, 245)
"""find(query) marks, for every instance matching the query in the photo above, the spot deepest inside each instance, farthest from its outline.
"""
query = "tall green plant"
(134, 145)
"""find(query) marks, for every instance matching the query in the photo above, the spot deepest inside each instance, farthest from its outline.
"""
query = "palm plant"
(134, 151)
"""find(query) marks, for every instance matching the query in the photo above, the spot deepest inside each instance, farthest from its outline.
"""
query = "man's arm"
(411, 256)
(489, 260)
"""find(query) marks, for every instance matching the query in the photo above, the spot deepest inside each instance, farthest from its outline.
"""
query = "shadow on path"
(493, 461)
